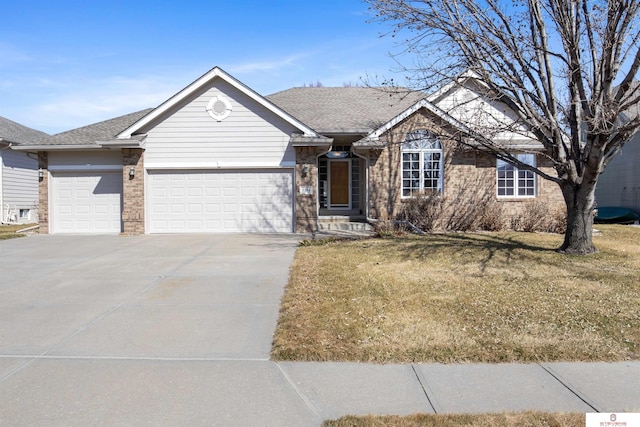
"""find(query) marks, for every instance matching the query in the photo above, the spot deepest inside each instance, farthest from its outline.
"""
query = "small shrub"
(319, 242)
(423, 210)
(557, 221)
(384, 228)
(492, 217)
(536, 217)
(531, 218)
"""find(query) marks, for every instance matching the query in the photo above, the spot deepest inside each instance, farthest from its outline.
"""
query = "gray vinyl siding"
(619, 185)
(250, 135)
(85, 160)
(19, 184)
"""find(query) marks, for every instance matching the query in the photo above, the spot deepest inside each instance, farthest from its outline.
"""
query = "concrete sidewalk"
(177, 330)
(129, 391)
(336, 389)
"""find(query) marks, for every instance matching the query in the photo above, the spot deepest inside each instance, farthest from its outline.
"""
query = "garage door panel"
(221, 201)
(86, 202)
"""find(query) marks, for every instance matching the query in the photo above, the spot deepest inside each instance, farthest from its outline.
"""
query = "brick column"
(306, 179)
(132, 191)
(43, 193)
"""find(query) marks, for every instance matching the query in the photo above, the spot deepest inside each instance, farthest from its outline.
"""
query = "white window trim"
(515, 194)
(421, 152)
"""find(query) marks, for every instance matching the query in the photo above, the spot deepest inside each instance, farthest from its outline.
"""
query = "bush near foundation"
(433, 212)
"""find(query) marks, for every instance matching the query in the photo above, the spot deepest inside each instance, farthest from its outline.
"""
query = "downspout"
(3, 219)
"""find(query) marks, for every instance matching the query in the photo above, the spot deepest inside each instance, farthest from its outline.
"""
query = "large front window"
(516, 182)
(422, 165)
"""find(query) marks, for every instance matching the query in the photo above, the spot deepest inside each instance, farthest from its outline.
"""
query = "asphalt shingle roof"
(16, 133)
(102, 131)
(344, 109)
(329, 110)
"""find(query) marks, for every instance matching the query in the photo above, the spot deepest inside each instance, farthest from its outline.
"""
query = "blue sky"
(65, 64)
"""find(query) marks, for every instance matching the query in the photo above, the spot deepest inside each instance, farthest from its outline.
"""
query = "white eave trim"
(87, 167)
(310, 141)
(67, 147)
(375, 135)
(226, 164)
(455, 85)
(370, 140)
(198, 84)
(120, 143)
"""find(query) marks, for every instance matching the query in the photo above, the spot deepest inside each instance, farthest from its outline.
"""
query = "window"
(514, 182)
(422, 166)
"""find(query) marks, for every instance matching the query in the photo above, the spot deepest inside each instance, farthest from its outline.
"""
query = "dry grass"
(491, 297)
(524, 419)
(9, 231)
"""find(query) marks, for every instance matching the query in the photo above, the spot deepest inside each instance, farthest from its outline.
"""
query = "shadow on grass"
(509, 246)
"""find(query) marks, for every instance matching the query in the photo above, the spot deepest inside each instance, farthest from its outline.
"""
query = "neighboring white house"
(18, 173)
(619, 185)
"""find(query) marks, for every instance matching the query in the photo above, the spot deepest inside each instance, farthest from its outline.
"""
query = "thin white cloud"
(94, 100)
(269, 65)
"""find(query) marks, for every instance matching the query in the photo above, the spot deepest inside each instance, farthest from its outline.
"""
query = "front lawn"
(9, 231)
(488, 297)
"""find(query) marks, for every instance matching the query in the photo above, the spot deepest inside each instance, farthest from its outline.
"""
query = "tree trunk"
(578, 238)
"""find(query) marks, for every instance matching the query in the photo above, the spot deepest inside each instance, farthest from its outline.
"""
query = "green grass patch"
(9, 231)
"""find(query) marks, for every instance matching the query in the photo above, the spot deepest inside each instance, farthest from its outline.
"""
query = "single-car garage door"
(220, 201)
(86, 202)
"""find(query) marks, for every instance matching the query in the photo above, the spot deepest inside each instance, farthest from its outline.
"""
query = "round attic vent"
(219, 108)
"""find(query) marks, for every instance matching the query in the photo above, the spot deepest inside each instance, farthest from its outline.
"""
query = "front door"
(339, 184)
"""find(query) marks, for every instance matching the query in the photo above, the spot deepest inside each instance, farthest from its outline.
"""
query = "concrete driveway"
(145, 330)
(176, 330)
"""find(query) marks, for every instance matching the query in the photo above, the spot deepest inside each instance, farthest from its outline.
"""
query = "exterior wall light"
(132, 172)
(305, 171)
(40, 174)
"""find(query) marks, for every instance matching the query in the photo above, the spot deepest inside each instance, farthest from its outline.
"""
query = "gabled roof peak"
(142, 125)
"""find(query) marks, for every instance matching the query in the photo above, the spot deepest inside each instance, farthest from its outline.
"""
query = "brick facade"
(306, 176)
(43, 193)
(469, 178)
(132, 191)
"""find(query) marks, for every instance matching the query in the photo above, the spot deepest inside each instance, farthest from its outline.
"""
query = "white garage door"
(220, 201)
(86, 202)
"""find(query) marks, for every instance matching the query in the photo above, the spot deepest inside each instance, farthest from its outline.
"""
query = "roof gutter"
(98, 145)
(307, 141)
(5, 142)
(67, 147)
(120, 143)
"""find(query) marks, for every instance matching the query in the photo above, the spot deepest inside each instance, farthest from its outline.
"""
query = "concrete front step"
(343, 226)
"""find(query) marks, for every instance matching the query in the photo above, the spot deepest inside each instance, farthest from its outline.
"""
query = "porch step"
(343, 226)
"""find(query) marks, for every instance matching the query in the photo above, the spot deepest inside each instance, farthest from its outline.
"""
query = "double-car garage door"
(220, 201)
(178, 201)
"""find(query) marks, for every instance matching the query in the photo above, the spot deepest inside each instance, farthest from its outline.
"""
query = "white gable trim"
(512, 143)
(423, 103)
(206, 79)
(456, 84)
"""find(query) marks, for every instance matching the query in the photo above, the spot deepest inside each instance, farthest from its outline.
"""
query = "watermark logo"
(613, 420)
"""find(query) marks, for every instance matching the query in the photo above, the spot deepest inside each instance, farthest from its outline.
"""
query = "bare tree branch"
(565, 68)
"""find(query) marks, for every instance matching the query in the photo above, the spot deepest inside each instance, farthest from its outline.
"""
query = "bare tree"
(565, 67)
